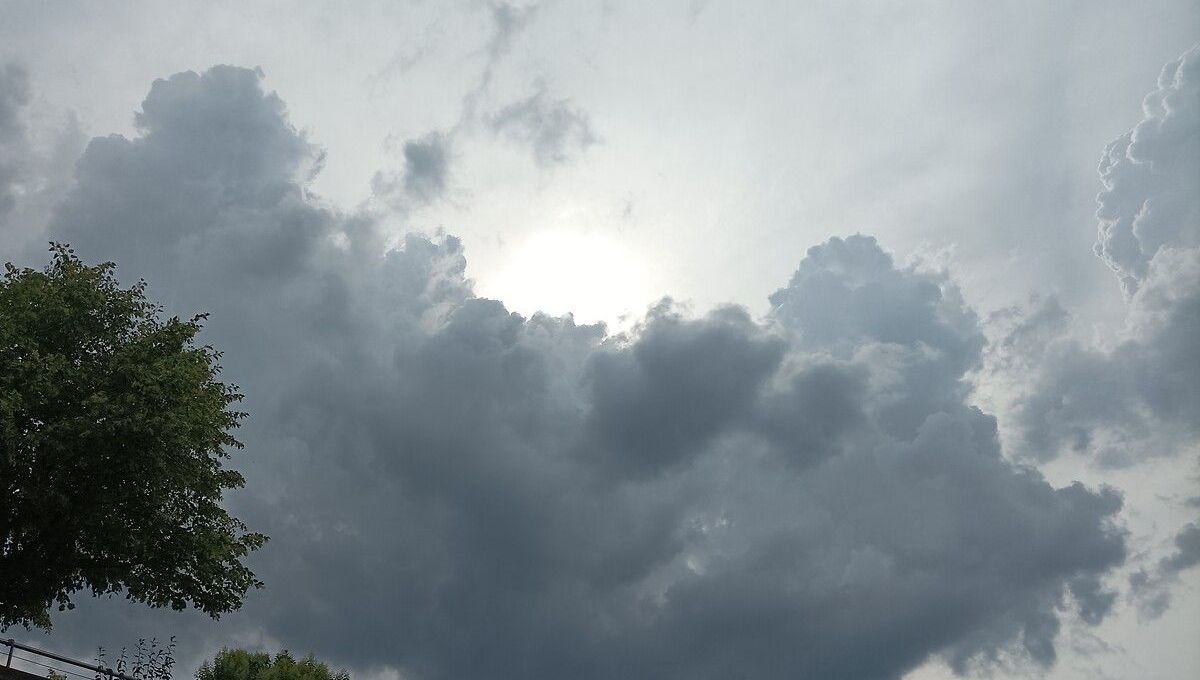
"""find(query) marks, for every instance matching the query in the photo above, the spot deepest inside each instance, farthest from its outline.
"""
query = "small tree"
(238, 664)
(151, 661)
(113, 431)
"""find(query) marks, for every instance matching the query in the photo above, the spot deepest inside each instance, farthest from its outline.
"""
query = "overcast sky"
(699, 339)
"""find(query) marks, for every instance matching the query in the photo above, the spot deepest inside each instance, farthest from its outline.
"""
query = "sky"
(673, 340)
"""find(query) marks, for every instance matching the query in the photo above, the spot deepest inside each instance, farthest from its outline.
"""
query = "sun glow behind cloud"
(590, 274)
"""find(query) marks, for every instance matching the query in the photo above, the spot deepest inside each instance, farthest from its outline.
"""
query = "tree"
(238, 664)
(150, 661)
(113, 435)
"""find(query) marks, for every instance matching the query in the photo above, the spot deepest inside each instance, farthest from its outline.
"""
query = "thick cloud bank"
(1138, 394)
(459, 492)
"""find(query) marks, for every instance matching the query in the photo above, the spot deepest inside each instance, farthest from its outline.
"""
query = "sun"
(590, 274)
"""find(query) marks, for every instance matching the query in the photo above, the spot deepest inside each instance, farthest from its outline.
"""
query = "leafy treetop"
(239, 664)
(113, 434)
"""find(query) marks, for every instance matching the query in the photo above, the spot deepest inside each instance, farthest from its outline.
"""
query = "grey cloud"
(1187, 550)
(814, 410)
(1150, 589)
(508, 21)
(848, 300)
(38, 149)
(1150, 174)
(1139, 398)
(1093, 599)
(553, 128)
(425, 174)
(426, 163)
(214, 173)
(660, 399)
(1137, 393)
(14, 95)
(875, 302)
(457, 491)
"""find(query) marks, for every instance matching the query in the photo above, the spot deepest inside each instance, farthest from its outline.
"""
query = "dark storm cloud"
(552, 128)
(457, 491)
(1138, 393)
(661, 399)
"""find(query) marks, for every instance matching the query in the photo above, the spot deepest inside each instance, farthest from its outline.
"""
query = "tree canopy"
(238, 664)
(114, 433)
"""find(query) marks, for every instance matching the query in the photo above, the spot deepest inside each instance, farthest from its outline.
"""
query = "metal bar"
(51, 655)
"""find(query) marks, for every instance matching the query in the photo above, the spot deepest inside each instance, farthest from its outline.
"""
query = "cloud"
(38, 149)
(509, 20)
(1150, 177)
(659, 400)
(456, 491)
(1136, 393)
(1150, 589)
(214, 174)
(425, 174)
(552, 128)
(426, 162)
(14, 95)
